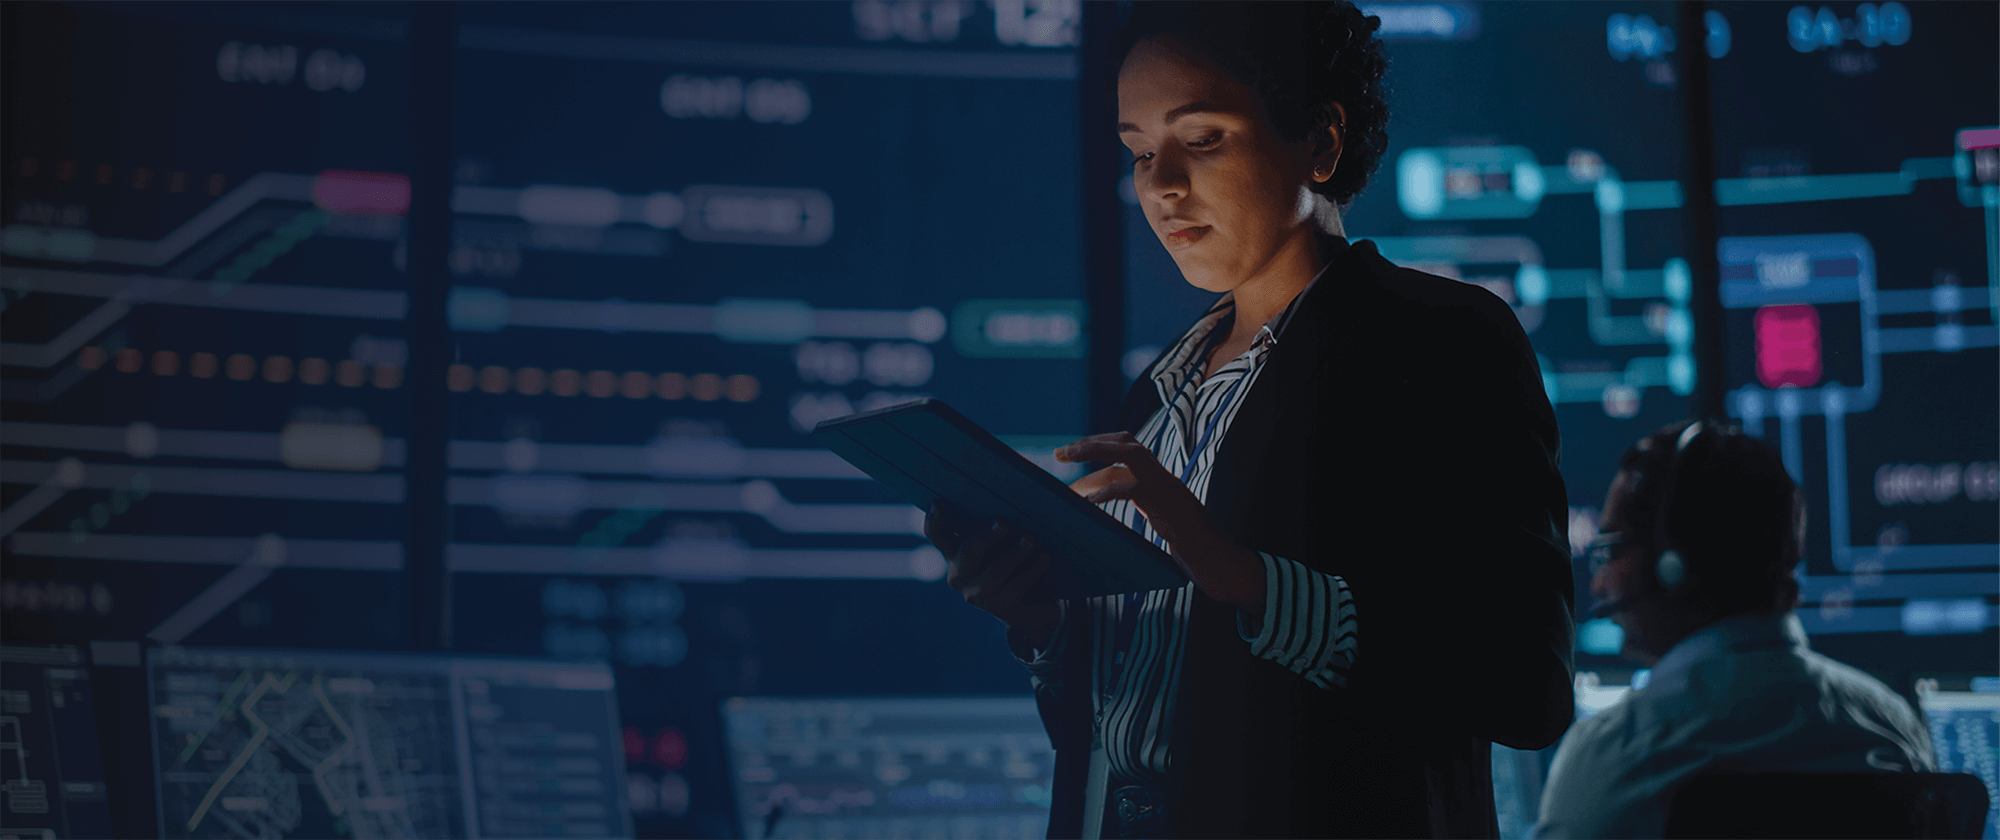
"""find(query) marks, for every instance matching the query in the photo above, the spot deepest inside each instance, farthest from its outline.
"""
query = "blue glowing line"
(1732, 192)
(1991, 196)
(1836, 480)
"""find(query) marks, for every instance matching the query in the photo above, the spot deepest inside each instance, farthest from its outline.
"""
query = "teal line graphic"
(279, 243)
(1734, 192)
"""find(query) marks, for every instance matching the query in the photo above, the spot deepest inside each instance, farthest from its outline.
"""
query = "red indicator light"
(364, 193)
(671, 749)
(1788, 351)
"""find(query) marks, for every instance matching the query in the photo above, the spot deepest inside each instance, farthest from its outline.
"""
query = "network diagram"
(1794, 290)
(1506, 182)
(1781, 284)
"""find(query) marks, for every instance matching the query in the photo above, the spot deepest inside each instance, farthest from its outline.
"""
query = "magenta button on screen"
(1978, 138)
(1788, 346)
(367, 193)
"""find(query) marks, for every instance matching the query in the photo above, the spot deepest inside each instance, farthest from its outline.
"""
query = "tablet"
(924, 451)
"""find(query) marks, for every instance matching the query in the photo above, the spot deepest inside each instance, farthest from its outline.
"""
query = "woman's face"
(1224, 193)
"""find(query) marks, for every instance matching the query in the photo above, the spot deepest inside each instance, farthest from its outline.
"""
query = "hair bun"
(1374, 23)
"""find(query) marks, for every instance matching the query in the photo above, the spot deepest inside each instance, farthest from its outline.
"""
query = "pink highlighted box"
(1978, 138)
(1788, 347)
(363, 193)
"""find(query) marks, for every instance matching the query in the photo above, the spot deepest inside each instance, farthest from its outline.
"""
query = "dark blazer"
(1400, 437)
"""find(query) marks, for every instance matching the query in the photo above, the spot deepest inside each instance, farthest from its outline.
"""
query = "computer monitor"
(51, 773)
(266, 743)
(889, 767)
(1600, 690)
(1518, 776)
(1965, 735)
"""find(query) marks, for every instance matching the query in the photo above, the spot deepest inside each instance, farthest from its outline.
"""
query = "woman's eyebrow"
(1175, 114)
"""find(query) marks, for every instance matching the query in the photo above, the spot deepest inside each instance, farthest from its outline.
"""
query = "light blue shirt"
(1743, 695)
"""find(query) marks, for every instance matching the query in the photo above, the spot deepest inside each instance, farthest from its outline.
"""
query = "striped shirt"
(1308, 624)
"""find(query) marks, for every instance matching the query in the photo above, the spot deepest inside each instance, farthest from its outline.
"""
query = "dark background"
(969, 171)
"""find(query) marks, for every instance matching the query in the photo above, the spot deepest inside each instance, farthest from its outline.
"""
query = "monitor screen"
(890, 766)
(1597, 691)
(1965, 734)
(260, 743)
(51, 772)
(1518, 776)
(1857, 285)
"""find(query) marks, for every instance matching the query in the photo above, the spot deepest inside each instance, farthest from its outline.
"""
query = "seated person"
(1701, 530)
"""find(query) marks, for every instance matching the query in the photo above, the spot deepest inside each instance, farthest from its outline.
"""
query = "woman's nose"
(1166, 179)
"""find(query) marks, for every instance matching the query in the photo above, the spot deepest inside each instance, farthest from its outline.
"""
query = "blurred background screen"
(393, 745)
(965, 767)
(404, 407)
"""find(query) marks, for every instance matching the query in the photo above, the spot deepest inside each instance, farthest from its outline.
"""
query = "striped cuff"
(1308, 626)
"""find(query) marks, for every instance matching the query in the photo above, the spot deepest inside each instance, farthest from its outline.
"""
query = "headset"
(1668, 571)
(1672, 569)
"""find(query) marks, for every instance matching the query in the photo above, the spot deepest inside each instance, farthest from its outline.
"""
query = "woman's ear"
(1327, 147)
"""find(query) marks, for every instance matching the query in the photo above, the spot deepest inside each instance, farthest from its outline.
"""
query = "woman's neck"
(1262, 297)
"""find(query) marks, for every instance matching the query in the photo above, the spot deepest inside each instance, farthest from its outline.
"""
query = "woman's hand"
(995, 566)
(1226, 571)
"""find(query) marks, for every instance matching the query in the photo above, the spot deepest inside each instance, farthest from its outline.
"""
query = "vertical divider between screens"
(1699, 228)
(1103, 215)
(433, 60)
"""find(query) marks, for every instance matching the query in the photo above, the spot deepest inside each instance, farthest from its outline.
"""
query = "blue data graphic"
(1859, 290)
(680, 236)
(265, 743)
(51, 771)
(1965, 734)
(691, 233)
(1858, 273)
(889, 767)
(204, 399)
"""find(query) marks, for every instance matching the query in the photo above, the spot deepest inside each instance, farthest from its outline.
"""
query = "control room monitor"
(259, 743)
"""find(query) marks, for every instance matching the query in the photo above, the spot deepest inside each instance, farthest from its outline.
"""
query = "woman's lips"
(1186, 236)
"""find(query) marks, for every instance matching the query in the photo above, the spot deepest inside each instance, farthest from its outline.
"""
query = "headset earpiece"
(1670, 570)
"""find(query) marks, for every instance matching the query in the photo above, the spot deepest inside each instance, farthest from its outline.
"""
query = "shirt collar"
(1167, 375)
(1731, 635)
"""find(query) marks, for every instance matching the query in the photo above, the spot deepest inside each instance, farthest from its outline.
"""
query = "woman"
(1354, 464)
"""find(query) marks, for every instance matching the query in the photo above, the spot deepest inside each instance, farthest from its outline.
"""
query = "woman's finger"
(1132, 454)
(1071, 451)
(1128, 489)
(1090, 483)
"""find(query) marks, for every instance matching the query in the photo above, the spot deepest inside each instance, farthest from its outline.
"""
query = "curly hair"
(1301, 57)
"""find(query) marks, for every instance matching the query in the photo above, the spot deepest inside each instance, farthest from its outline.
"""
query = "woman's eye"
(1137, 159)
(1205, 142)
